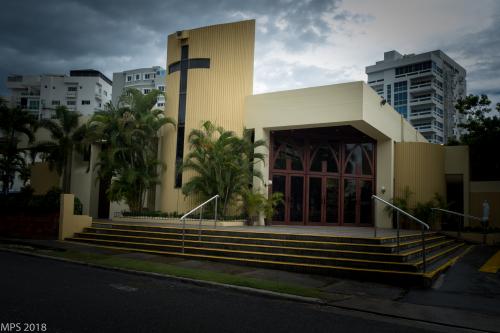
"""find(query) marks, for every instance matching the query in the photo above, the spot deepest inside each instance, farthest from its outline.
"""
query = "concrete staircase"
(361, 258)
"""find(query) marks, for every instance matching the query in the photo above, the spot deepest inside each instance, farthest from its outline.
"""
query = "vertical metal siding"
(420, 166)
(216, 94)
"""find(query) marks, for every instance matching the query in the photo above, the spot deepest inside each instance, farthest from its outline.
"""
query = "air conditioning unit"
(184, 34)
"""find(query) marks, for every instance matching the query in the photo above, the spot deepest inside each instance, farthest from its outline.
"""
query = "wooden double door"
(323, 181)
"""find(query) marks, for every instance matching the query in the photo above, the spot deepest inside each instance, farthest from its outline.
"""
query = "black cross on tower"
(183, 65)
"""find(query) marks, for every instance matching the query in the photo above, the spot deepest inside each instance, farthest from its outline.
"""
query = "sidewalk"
(446, 303)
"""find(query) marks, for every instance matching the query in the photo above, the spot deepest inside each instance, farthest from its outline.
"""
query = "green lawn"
(173, 270)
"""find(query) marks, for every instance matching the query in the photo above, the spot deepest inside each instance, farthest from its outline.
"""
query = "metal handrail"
(463, 216)
(400, 211)
(200, 206)
(457, 213)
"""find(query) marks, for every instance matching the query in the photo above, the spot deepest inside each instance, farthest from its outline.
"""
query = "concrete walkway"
(464, 297)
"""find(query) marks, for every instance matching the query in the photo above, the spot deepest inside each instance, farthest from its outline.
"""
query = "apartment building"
(143, 79)
(84, 91)
(423, 88)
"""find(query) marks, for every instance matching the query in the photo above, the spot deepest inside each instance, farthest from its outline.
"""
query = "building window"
(426, 65)
(161, 88)
(72, 88)
(161, 104)
(129, 78)
(33, 105)
(56, 102)
(137, 77)
(147, 76)
(86, 102)
(401, 98)
(105, 93)
(147, 91)
(71, 102)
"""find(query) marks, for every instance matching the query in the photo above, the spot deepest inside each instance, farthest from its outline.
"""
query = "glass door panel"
(349, 201)
(366, 188)
(296, 203)
(279, 185)
(332, 200)
(315, 199)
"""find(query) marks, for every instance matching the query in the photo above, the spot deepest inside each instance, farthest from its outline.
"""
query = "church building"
(329, 148)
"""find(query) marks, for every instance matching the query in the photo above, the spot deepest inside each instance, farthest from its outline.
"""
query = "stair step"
(361, 247)
(282, 257)
(381, 275)
(275, 248)
(262, 234)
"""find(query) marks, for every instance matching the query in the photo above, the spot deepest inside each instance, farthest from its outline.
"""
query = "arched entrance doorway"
(327, 176)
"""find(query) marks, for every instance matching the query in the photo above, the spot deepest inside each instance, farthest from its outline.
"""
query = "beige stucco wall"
(216, 93)
(42, 178)
(69, 223)
(421, 167)
(353, 103)
(490, 191)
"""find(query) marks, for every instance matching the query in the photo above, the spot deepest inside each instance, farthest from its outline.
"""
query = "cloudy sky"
(299, 43)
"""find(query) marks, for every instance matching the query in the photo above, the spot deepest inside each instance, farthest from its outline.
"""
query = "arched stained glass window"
(324, 154)
(359, 159)
(286, 151)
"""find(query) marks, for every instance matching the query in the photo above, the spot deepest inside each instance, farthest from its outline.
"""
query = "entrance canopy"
(353, 131)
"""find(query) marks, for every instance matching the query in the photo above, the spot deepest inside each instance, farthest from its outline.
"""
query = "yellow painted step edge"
(276, 239)
(449, 263)
(402, 264)
(401, 254)
(189, 255)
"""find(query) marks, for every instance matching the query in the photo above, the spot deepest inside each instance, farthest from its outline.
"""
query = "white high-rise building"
(423, 88)
(143, 79)
(85, 91)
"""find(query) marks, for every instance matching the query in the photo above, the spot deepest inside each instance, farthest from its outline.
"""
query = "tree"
(66, 135)
(482, 127)
(222, 163)
(128, 134)
(15, 124)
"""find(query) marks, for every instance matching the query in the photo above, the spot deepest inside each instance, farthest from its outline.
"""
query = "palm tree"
(222, 162)
(128, 133)
(67, 135)
(15, 124)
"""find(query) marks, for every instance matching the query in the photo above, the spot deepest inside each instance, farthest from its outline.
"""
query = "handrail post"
(199, 225)
(215, 215)
(397, 234)
(423, 250)
(460, 218)
(183, 233)
(374, 219)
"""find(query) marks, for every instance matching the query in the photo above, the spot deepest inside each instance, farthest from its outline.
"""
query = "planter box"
(175, 222)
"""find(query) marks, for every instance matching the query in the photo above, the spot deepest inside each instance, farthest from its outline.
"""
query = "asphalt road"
(74, 298)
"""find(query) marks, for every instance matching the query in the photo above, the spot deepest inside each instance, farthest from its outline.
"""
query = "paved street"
(75, 298)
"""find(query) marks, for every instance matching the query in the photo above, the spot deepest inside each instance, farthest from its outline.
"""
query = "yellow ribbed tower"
(211, 70)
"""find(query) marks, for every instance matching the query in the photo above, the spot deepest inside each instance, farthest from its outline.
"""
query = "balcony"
(428, 127)
(427, 113)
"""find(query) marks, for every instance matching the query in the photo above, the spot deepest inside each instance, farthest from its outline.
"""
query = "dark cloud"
(480, 51)
(58, 35)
